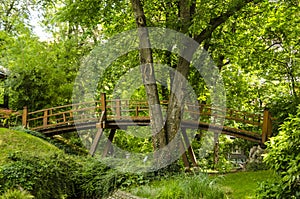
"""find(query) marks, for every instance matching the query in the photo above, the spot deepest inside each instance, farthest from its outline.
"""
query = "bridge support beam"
(190, 149)
(184, 156)
(108, 145)
(96, 141)
(267, 126)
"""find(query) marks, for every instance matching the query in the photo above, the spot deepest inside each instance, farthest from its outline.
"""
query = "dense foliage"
(34, 165)
(284, 158)
(16, 194)
(253, 43)
(28, 164)
(58, 176)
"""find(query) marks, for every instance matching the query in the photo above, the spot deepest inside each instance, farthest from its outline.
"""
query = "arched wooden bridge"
(120, 114)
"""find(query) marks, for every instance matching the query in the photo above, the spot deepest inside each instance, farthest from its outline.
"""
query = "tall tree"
(231, 31)
(147, 70)
(186, 13)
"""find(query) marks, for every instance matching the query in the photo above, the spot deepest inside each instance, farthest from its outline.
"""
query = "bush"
(256, 166)
(284, 158)
(58, 176)
(95, 180)
(16, 194)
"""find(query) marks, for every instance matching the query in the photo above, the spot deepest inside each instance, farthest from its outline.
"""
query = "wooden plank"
(45, 119)
(184, 156)
(265, 128)
(190, 149)
(136, 111)
(270, 127)
(109, 142)
(24, 117)
(251, 136)
(118, 108)
(103, 104)
(96, 141)
(64, 117)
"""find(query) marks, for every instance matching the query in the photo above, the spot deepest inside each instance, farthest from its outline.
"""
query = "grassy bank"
(44, 171)
(12, 141)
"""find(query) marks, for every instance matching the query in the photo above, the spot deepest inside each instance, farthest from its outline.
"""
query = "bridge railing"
(122, 109)
(128, 109)
(60, 115)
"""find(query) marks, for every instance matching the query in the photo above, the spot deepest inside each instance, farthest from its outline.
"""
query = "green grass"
(12, 141)
(242, 185)
(181, 187)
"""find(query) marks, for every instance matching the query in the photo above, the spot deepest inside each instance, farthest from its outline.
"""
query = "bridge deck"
(119, 114)
(123, 124)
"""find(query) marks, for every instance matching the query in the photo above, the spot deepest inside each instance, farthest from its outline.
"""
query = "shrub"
(284, 158)
(44, 178)
(58, 176)
(16, 194)
(95, 180)
(256, 166)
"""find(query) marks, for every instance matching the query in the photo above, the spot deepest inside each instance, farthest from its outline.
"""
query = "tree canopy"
(253, 44)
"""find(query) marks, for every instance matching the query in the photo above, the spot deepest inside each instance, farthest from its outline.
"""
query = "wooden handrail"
(124, 109)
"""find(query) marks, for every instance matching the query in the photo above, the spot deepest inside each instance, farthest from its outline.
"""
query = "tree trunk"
(178, 83)
(147, 70)
(186, 8)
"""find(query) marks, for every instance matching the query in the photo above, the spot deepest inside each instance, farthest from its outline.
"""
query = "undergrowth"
(184, 186)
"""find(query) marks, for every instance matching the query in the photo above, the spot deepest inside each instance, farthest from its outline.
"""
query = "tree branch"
(11, 6)
(275, 43)
(217, 21)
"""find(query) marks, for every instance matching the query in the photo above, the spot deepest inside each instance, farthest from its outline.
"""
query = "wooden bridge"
(121, 113)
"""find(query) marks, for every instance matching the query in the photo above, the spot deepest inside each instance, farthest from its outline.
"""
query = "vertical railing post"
(64, 118)
(269, 134)
(267, 126)
(24, 117)
(118, 108)
(103, 105)
(137, 111)
(45, 118)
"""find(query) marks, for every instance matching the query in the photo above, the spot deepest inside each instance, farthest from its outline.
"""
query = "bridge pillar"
(190, 149)
(118, 108)
(100, 126)
(103, 104)
(45, 118)
(24, 117)
(184, 156)
(96, 141)
(267, 126)
(108, 146)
